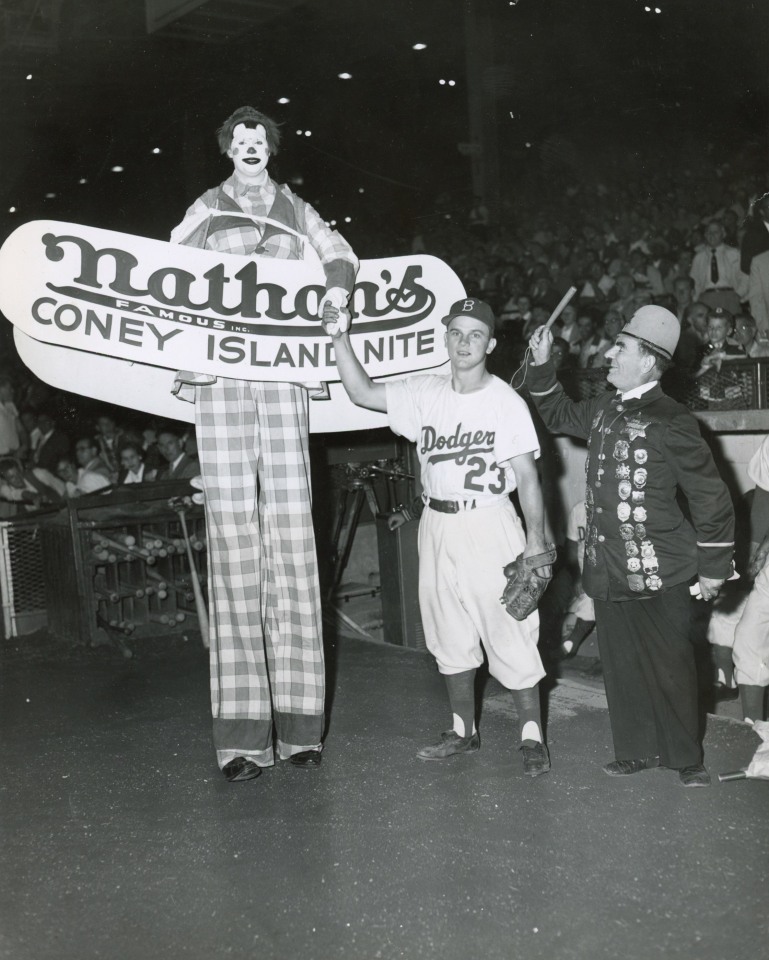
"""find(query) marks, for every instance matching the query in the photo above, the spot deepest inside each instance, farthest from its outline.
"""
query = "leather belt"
(450, 506)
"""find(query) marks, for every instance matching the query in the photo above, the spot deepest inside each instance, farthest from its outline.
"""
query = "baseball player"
(476, 444)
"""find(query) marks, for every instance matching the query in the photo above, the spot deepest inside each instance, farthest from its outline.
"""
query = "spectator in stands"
(53, 443)
(539, 315)
(719, 386)
(624, 295)
(109, 436)
(639, 269)
(517, 310)
(566, 327)
(563, 360)
(78, 481)
(542, 290)
(746, 334)
(612, 325)
(589, 288)
(683, 293)
(33, 488)
(29, 420)
(720, 344)
(179, 465)
(153, 459)
(93, 473)
(132, 466)
(592, 340)
(681, 267)
(13, 437)
(718, 280)
(694, 337)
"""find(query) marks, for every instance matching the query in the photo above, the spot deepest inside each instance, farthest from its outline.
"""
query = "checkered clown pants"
(264, 596)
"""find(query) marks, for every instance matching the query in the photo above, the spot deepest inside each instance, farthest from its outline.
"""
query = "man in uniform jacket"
(641, 552)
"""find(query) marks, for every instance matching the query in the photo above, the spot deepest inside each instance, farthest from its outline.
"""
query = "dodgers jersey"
(462, 438)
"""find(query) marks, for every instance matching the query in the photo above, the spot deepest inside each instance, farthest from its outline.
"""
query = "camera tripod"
(357, 489)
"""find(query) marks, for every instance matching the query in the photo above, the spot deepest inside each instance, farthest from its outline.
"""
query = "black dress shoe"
(241, 768)
(450, 745)
(623, 768)
(722, 692)
(694, 776)
(307, 758)
(536, 759)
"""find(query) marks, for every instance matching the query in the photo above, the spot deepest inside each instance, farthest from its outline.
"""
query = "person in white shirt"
(90, 475)
(476, 444)
(132, 466)
(718, 280)
(34, 488)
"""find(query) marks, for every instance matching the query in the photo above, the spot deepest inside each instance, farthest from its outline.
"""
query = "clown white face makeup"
(249, 153)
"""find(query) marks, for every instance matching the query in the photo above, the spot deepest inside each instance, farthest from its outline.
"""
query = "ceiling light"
(283, 100)
(118, 169)
(348, 219)
(29, 76)
(82, 180)
(345, 76)
(452, 83)
(11, 209)
(50, 196)
(308, 133)
(419, 46)
(442, 82)
(156, 150)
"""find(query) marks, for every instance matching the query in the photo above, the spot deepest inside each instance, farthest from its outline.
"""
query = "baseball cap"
(470, 307)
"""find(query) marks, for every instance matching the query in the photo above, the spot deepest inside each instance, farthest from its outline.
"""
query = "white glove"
(197, 483)
(337, 297)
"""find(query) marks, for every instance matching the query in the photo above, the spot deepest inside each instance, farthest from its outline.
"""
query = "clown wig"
(249, 118)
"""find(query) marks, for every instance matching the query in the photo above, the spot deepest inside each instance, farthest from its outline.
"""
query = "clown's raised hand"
(338, 321)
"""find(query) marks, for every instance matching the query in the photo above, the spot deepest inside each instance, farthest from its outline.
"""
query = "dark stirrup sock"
(528, 709)
(461, 688)
(722, 660)
(753, 699)
(578, 633)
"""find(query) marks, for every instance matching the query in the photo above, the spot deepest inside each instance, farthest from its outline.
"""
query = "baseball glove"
(527, 580)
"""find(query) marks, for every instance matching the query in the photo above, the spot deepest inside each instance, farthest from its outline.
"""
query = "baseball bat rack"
(115, 566)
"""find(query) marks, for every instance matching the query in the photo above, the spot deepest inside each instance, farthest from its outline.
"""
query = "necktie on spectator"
(713, 267)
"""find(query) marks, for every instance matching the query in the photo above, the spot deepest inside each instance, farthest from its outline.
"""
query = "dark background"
(602, 85)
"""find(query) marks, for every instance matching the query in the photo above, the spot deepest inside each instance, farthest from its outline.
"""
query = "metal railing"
(740, 384)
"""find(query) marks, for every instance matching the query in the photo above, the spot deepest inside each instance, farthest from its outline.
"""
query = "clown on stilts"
(267, 667)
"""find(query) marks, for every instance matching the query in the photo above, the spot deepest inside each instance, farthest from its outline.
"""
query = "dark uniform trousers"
(650, 677)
